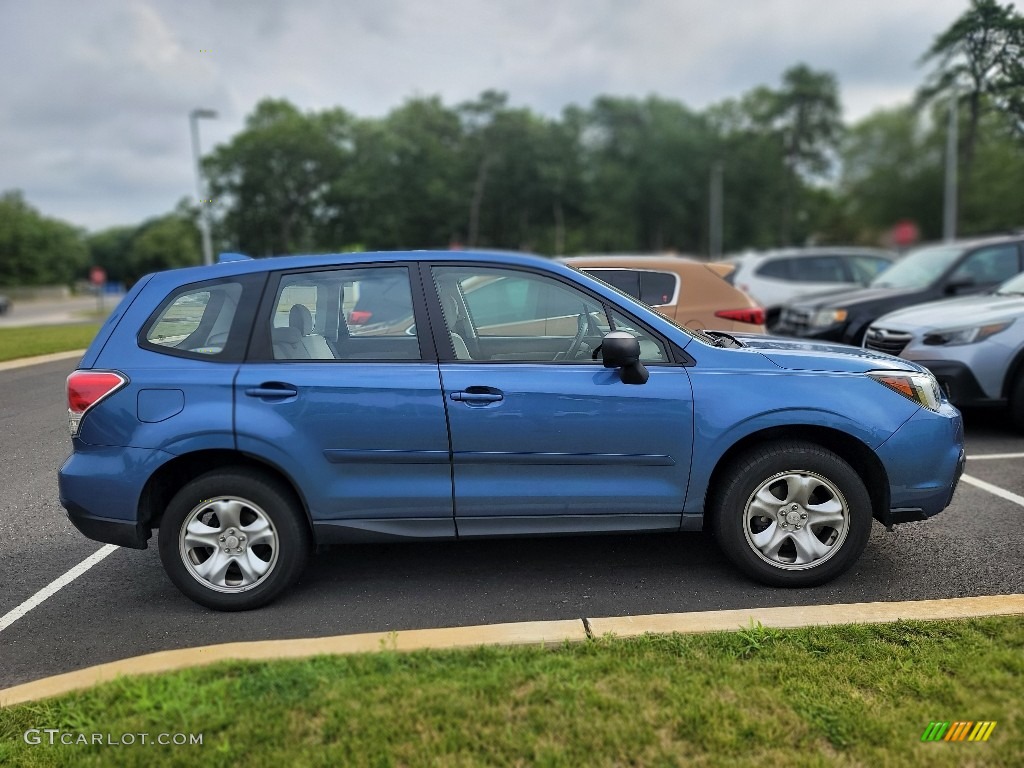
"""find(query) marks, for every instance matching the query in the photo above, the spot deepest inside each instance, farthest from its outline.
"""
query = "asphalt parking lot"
(124, 605)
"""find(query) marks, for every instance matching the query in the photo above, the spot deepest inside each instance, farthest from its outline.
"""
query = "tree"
(403, 185)
(166, 242)
(35, 249)
(788, 139)
(808, 119)
(517, 164)
(110, 249)
(892, 170)
(647, 167)
(979, 57)
(270, 183)
(993, 203)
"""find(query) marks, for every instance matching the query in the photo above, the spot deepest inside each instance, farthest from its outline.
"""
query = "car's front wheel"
(1017, 402)
(233, 539)
(791, 514)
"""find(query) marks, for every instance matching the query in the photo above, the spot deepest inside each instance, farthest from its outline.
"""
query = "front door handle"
(478, 395)
(273, 389)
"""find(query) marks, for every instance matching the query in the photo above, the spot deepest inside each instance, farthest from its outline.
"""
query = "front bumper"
(958, 382)
(924, 459)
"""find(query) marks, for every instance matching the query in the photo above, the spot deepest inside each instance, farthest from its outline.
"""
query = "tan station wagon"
(690, 292)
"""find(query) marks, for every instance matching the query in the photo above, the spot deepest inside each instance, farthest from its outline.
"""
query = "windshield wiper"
(723, 339)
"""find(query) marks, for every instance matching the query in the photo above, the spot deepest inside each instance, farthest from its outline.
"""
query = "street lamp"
(204, 219)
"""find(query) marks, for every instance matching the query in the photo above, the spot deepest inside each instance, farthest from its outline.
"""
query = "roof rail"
(227, 257)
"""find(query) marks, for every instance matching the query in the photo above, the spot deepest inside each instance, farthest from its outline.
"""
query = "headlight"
(922, 388)
(826, 317)
(971, 335)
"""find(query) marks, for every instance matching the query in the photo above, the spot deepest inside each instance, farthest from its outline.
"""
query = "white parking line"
(55, 586)
(994, 489)
(997, 456)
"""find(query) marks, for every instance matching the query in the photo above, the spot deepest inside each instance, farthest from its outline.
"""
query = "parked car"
(973, 345)
(775, 278)
(692, 293)
(5, 304)
(926, 274)
(254, 426)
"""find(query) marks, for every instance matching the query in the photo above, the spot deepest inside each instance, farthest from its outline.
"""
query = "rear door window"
(352, 313)
(819, 269)
(653, 288)
(626, 280)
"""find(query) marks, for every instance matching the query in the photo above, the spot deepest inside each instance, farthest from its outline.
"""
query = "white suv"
(774, 278)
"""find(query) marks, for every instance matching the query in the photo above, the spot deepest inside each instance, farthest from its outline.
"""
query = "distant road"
(54, 311)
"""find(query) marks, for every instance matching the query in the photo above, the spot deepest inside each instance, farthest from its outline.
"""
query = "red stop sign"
(905, 233)
(97, 276)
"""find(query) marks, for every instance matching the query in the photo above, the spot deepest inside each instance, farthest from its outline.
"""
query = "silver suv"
(974, 345)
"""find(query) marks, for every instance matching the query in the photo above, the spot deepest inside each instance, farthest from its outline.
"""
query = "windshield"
(918, 268)
(1015, 285)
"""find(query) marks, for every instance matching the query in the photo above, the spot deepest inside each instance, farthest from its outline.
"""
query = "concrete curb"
(809, 615)
(24, 362)
(522, 633)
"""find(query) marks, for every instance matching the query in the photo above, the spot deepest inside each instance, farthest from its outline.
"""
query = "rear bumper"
(100, 487)
(119, 532)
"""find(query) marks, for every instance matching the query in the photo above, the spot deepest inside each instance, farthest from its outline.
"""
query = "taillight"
(359, 317)
(753, 315)
(85, 389)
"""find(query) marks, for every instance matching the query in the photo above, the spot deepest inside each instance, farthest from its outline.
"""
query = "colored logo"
(960, 730)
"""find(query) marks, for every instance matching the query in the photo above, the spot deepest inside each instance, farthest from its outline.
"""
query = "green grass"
(855, 695)
(44, 339)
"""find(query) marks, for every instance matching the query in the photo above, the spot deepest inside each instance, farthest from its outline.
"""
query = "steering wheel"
(584, 325)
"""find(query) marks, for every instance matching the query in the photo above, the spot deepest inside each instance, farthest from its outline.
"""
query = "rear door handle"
(272, 389)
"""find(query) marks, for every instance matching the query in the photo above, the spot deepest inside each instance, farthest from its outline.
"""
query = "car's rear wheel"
(791, 514)
(234, 539)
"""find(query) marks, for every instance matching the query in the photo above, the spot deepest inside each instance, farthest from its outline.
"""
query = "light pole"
(204, 219)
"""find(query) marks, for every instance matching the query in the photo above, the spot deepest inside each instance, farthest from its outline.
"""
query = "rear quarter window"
(657, 288)
(778, 269)
(201, 321)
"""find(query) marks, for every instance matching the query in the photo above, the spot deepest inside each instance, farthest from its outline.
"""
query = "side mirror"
(622, 350)
(960, 285)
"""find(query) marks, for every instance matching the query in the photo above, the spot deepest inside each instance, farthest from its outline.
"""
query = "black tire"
(781, 470)
(1017, 402)
(267, 548)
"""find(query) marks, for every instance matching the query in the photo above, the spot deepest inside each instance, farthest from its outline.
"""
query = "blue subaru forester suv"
(248, 411)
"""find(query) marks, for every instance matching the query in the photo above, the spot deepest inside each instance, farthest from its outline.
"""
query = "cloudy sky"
(94, 94)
